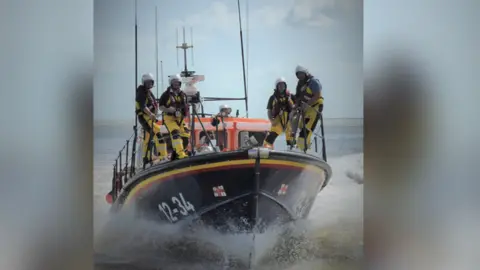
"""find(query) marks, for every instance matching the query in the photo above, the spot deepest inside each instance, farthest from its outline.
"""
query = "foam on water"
(332, 237)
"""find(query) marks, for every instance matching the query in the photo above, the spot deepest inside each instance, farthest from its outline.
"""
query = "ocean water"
(332, 237)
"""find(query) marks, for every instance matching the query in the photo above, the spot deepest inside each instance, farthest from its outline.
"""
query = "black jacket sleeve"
(163, 99)
(141, 99)
(270, 103)
(215, 121)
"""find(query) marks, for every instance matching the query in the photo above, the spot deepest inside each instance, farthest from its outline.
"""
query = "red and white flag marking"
(219, 191)
(283, 189)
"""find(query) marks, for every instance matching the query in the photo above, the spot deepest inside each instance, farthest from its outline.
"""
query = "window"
(202, 138)
(219, 139)
(243, 136)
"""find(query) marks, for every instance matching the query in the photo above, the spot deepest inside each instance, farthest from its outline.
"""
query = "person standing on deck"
(173, 104)
(224, 111)
(279, 107)
(146, 109)
(309, 103)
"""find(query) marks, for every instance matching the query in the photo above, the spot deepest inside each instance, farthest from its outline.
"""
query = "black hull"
(248, 196)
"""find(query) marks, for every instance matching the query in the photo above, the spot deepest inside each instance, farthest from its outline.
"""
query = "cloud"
(305, 10)
(216, 17)
(222, 17)
(313, 12)
(269, 16)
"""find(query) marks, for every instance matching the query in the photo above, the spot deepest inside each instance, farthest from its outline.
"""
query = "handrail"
(119, 171)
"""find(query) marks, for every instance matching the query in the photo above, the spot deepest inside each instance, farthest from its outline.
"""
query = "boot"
(177, 145)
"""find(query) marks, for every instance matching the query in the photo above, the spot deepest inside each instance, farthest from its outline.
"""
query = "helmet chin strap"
(148, 86)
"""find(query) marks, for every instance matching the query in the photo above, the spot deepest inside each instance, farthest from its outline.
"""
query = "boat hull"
(232, 192)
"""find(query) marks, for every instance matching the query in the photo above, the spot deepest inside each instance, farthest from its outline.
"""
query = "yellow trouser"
(157, 139)
(310, 123)
(279, 126)
(178, 133)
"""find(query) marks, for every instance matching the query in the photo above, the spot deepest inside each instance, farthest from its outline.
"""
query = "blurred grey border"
(46, 150)
(421, 134)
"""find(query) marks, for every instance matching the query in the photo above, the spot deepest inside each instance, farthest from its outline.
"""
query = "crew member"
(224, 111)
(309, 103)
(146, 110)
(206, 137)
(173, 104)
(279, 107)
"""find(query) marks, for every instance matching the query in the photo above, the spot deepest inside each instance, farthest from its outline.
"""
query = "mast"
(136, 53)
(156, 48)
(185, 47)
(134, 144)
(190, 79)
(161, 74)
(243, 59)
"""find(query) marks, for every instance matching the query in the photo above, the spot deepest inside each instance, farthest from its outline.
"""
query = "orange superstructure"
(232, 125)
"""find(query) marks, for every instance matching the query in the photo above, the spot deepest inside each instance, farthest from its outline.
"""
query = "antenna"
(161, 73)
(156, 49)
(177, 47)
(184, 46)
(136, 47)
(191, 42)
(134, 151)
(243, 59)
(185, 51)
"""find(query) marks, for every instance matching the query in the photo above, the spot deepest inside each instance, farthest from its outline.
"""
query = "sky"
(326, 36)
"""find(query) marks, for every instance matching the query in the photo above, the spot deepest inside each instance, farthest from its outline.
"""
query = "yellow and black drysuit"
(174, 120)
(279, 107)
(309, 103)
(145, 99)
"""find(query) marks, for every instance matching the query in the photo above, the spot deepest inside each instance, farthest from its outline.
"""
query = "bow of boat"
(233, 191)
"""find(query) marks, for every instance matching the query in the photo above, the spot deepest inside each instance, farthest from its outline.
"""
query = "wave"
(332, 236)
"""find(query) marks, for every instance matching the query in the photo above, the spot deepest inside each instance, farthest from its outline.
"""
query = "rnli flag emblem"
(283, 189)
(219, 191)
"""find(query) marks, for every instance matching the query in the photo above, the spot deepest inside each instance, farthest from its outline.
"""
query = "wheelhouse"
(230, 134)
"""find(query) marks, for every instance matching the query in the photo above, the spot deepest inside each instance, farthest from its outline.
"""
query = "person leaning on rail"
(146, 109)
(279, 107)
(173, 104)
(223, 111)
(308, 103)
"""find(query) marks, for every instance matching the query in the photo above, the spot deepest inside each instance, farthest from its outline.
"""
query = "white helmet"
(175, 77)
(147, 77)
(280, 80)
(300, 68)
(225, 107)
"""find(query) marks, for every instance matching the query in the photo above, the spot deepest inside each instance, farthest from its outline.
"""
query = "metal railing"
(121, 170)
